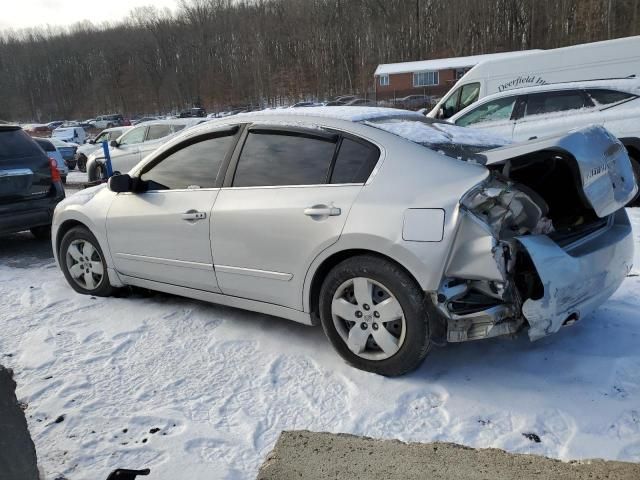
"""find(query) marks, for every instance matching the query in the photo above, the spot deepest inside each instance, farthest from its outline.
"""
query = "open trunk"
(544, 240)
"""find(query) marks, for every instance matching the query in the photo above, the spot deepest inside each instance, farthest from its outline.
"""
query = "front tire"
(375, 315)
(82, 163)
(635, 165)
(83, 264)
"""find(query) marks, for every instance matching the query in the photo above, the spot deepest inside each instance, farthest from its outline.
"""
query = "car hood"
(88, 148)
(602, 162)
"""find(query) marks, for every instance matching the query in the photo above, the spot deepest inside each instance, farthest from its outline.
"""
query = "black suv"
(30, 184)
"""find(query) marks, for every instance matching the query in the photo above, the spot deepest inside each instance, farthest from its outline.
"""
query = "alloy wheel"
(368, 318)
(84, 264)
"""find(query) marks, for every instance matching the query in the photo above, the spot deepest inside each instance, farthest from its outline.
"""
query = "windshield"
(439, 136)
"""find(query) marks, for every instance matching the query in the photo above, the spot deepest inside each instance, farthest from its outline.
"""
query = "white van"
(70, 134)
(619, 58)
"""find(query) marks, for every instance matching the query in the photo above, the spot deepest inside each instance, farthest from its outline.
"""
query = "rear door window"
(608, 97)
(551, 102)
(355, 162)
(271, 157)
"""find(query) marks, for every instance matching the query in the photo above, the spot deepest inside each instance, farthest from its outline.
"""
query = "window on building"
(425, 79)
(384, 80)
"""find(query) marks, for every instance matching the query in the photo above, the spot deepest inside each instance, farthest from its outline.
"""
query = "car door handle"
(194, 216)
(322, 211)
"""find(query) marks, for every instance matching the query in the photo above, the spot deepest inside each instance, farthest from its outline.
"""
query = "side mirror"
(121, 183)
(440, 113)
(114, 143)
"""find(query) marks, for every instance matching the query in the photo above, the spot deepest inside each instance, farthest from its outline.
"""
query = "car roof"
(343, 112)
(173, 121)
(629, 85)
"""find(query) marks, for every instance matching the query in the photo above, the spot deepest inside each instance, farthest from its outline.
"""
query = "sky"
(16, 14)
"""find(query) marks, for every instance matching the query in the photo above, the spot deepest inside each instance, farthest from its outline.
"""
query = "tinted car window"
(46, 145)
(134, 136)
(158, 131)
(194, 166)
(554, 102)
(608, 97)
(282, 159)
(489, 112)
(17, 144)
(355, 162)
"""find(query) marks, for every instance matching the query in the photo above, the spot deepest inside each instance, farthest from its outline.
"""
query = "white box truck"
(619, 58)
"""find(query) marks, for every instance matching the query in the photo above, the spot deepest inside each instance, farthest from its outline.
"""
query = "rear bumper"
(577, 279)
(16, 217)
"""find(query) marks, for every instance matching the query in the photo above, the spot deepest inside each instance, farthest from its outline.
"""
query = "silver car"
(392, 231)
(127, 150)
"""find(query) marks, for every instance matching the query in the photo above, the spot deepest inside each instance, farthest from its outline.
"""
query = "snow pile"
(439, 133)
(193, 390)
(352, 114)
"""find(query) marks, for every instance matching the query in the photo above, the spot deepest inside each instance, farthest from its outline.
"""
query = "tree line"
(222, 53)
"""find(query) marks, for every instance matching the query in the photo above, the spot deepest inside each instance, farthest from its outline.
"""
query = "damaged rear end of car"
(543, 241)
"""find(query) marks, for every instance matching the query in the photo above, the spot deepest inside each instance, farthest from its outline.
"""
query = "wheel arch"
(327, 264)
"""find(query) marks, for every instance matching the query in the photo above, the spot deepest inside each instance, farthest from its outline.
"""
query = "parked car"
(615, 58)
(391, 230)
(52, 152)
(414, 102)
(134, 145)
(109, 121)
(30, 184)
(361, 102)
(37, 129)
(93, 145)
(143, 119)
(534, 112)
(304, 104)
(67, 150)
(194, 112)
(70, 134)
(55, 124)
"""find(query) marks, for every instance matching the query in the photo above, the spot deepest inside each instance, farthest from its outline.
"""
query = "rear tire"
(82, 262)
(635, 164)
(387, 309)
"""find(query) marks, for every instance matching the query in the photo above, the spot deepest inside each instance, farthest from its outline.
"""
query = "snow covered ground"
(194, 391)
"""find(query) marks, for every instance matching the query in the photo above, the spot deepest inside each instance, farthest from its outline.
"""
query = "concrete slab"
(319, 456)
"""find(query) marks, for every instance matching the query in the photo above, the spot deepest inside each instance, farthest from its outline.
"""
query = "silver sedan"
(392, 231)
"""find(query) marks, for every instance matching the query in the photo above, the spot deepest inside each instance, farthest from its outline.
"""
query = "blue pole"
(107, 158)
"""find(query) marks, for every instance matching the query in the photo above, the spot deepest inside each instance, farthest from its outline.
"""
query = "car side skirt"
(229, 301)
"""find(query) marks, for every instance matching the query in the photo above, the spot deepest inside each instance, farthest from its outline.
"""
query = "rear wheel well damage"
(329, 263)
